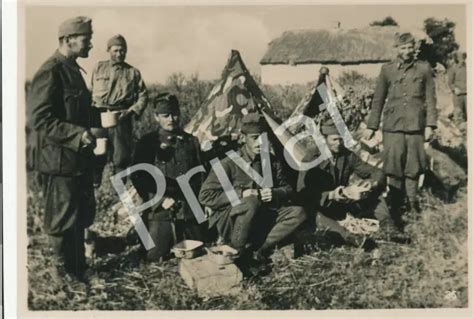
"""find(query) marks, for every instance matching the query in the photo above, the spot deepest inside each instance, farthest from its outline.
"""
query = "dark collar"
(70, 62)
(405, 65)
(324, 164)
(178, 133)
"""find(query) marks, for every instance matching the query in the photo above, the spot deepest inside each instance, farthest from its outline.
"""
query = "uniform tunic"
(59, 111)
(315, 185)
(457, 77)
(406, 100)
(252, 221)
(119, 86)
(181, 155)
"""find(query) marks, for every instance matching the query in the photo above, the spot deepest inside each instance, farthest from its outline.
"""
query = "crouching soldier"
(263, 218)
(326, 189)
(174, 152)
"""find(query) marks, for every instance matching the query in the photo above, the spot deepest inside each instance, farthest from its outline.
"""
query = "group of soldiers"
(65, 117)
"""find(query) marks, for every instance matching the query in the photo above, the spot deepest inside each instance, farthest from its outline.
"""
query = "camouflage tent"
(235, 95)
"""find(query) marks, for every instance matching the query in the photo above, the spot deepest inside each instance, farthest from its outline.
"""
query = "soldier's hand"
(428, 134)
(369, 134)
(125, 115)
(168, 202)
(87, 139)
(266, 194)
(457, 91)
(249, 192)
(338, 196)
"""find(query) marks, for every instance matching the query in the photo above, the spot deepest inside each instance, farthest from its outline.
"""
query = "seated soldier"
(325, 189)
(263, 218)
(174, 152)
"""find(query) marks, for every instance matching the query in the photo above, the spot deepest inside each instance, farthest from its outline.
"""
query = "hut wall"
(304, 73)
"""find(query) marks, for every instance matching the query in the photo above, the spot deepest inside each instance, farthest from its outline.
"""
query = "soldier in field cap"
(117, 86)
(174, 152)
(326, 191)
(264, 216)
(60, 114)
(405, 96)
(457, 77)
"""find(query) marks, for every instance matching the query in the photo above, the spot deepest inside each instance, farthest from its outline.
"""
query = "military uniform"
(406, 100)
(316, 184)
(118, 87)
(174, 153)
(252, 222)
(457, 79)
(59, 112)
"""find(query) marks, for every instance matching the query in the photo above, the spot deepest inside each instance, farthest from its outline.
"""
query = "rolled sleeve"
(142, 96)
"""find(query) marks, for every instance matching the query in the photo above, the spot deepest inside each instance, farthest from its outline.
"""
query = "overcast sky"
(163, 40)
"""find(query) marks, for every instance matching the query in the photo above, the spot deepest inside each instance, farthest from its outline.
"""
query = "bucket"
(101, 146)
(109, 119)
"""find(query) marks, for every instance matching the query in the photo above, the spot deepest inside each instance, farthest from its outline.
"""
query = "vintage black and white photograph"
(244, 157)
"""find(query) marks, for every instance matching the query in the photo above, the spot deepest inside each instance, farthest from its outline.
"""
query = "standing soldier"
(118, 86)
(405, 96)
(174, 152)
(59, 108)
(457, 84)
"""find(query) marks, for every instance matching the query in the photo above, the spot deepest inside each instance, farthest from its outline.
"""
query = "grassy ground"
(430, 272)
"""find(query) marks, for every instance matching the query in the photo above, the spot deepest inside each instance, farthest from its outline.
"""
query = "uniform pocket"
(71, 105)
(49, 159)
(101, 83)
(417, 86)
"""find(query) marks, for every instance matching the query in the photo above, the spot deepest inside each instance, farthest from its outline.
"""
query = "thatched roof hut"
(334, 46)
(370, 47)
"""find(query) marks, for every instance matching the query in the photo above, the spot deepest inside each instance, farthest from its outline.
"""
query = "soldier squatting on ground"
(62, 114)
(265, 216)
(174, 152)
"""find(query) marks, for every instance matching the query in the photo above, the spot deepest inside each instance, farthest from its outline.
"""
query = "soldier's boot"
(413, 206)
(65, 279)
(395, 199)
(252, 264)
(388, 231)
(360, 241)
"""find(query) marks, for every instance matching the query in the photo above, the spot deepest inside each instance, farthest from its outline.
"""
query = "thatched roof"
(334, 46)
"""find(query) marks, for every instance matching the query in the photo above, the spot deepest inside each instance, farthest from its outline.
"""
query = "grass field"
(429, 272)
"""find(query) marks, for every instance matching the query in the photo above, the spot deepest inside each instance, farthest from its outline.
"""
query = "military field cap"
(329, 128)
(75, 26)
(324, 70)
(404, 38)
(117, 39)
(461, 55)
(166, 103)
(252, 123)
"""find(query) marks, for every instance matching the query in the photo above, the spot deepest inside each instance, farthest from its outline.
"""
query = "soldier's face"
(335, 143)
(117, 53)
(406, 51)
(252, 143)
(167, 121)
(80, 45)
